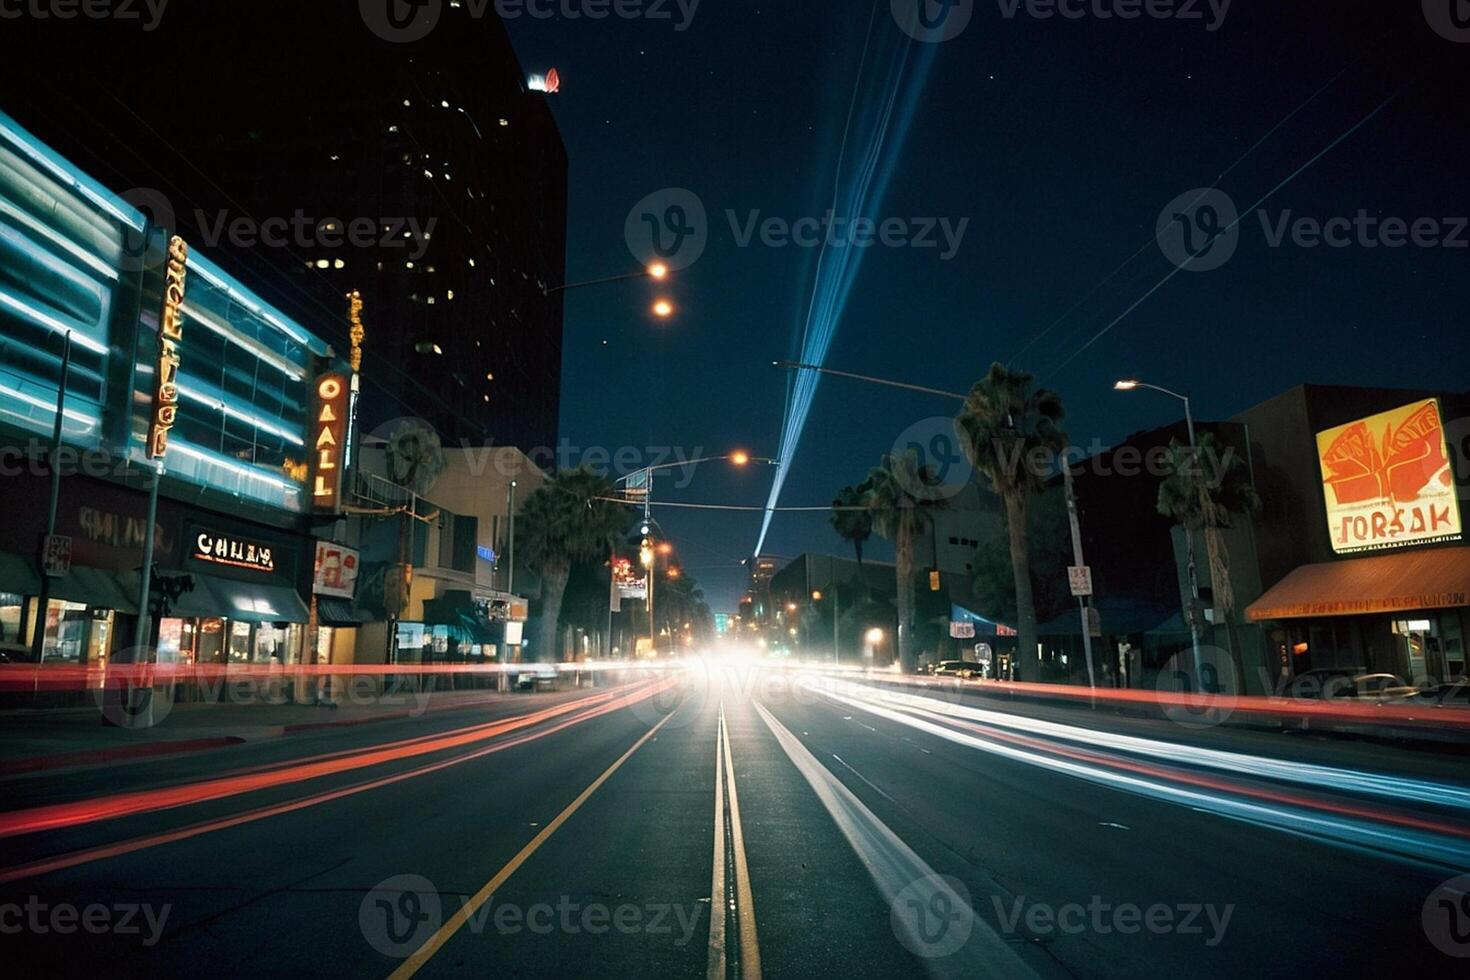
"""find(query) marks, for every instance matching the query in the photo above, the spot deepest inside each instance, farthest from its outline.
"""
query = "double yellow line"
(456, 921)
(749, 940)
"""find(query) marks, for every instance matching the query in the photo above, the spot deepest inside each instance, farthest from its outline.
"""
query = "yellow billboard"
(1387, 481)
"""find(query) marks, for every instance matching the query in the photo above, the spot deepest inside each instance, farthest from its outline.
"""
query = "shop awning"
(457, 612)
(96, 588)
(1436, 578)
(333, 611)
(246, 602)
(18, 574)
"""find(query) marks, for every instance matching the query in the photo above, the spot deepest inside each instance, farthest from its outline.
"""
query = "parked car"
(1331, 683)
(540, 677)
(959, 668)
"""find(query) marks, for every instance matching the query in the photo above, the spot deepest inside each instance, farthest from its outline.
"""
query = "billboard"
(336, 570)
(1387, 482)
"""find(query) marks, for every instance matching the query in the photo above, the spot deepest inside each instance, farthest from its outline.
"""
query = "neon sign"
(330, 431)
(170, 336)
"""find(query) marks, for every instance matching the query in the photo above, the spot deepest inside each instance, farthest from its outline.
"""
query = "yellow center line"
(444, 933)
(750, 950)
(718, 909)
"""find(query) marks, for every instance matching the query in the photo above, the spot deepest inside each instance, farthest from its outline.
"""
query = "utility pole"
(43, 601)
(510, 557)
(1081, 562)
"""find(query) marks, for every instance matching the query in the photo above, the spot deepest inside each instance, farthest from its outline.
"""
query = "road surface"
(741, 823)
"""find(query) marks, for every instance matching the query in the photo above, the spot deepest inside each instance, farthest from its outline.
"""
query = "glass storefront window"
(66, 631)
(171, 649)
(1454, 645)
(239, 642)
(268, 644)
(209, 640)
(324, 644)
(11, 606)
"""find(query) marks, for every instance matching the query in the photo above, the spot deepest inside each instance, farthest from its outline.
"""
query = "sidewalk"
(46, 740)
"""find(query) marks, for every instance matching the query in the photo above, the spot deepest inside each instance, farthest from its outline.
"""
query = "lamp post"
(739, 457)
(1132, 384)
(657, 271)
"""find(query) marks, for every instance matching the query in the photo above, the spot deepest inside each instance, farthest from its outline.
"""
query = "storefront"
(1388, 590)
(334, 591)
(237, 600)
(1403, 614)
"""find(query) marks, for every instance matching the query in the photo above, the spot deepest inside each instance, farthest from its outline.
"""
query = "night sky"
(1061, 142)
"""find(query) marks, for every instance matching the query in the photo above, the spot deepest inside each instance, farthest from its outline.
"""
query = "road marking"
(719, 907)
(750, 949)
(898, 871)
(103, 852)
(456, 921)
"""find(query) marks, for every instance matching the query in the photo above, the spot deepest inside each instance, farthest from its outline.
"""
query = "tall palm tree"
(902, 504)
(1006, 424)
(1209, 500)
(564, 522)
(852, 520)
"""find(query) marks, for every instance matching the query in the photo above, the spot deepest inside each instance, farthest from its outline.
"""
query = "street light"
(663, 309)
(657, 271)
(1133, 384)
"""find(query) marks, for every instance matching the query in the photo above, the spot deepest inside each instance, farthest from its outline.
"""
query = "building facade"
(425, 176)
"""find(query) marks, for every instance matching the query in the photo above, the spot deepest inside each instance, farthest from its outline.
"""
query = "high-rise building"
(316, 158)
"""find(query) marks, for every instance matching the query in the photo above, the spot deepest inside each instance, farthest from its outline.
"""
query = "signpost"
(1080, 578)
(56, 555)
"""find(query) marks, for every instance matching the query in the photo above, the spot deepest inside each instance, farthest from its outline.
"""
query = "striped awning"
(1432, 578)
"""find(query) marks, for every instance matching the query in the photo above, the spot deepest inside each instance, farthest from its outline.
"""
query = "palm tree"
(566, 521)
(902, 503)
(1005, 424)
(1209, 502)
(852, 520)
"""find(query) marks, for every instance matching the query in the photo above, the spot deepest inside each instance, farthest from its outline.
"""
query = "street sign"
(962, 629)
(1080, 578)
(55, 555)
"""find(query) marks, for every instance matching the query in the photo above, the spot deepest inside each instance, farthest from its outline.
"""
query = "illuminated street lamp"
(657, 271)
(1133, 384)
(663, 309)
(874, 636)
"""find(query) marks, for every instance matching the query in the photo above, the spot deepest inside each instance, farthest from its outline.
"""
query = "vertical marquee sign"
(170, 336)
(357, 335)
(329, 437)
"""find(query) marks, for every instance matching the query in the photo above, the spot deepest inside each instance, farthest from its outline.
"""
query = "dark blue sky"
(1061, 142)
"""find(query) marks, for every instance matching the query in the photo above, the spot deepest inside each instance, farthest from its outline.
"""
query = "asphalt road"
(744, 824)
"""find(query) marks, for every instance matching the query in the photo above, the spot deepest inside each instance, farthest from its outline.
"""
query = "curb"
(92, 757)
